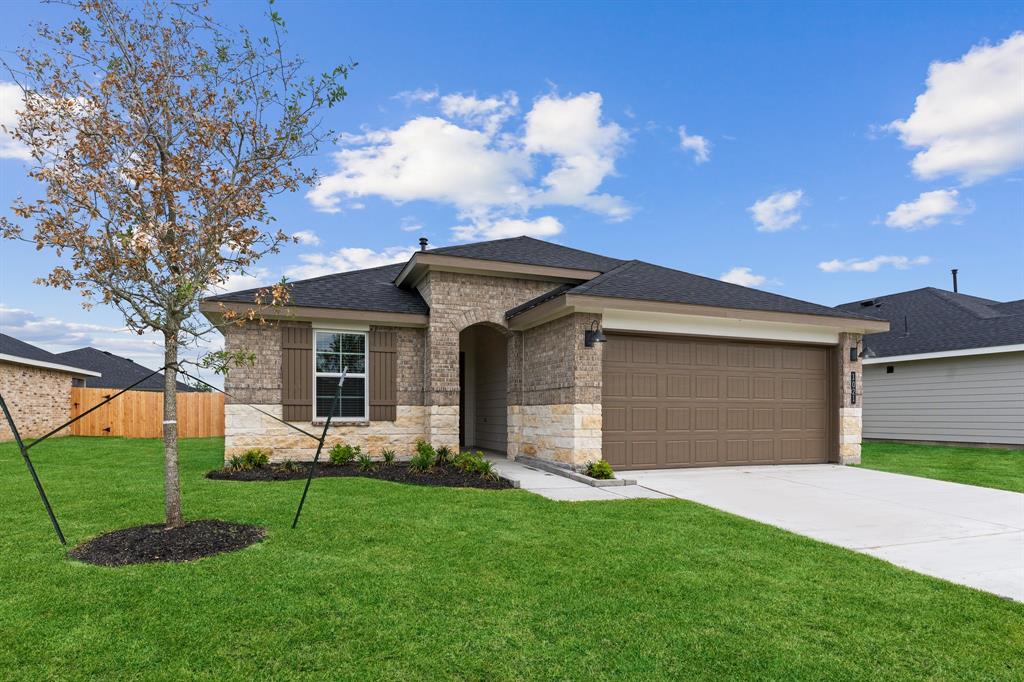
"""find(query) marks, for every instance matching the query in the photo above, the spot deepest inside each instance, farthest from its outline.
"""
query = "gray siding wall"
(972, 399)
(486, 388)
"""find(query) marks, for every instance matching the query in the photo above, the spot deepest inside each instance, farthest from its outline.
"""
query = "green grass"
(389, 581)
(988, 467)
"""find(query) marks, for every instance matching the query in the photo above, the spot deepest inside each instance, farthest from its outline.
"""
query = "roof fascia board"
(545, 312)
(18, 360)
(597, 304)
(963, 352)
(631, 321)
(422, 262)
(214, 310)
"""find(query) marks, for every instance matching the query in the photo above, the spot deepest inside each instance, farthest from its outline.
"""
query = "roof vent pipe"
(423, 243)
(956, 290)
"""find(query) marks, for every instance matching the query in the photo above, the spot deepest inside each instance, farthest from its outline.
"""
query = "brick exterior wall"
(39, 399)
(458, 301)
(410, 352)
(850, 416)
(260, 383)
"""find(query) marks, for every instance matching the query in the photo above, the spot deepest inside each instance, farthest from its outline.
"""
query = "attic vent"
(868, 303)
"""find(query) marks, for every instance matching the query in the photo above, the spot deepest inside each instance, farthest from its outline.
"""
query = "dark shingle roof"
(644, 281)
(118, 372)
(19, 349)
(530, 251)
(371, 289)
(933, 320)
(374, 289)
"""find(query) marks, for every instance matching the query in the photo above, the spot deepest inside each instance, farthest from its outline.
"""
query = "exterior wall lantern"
(593, 335)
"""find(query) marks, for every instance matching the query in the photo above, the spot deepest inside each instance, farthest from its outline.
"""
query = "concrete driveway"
(961, 533)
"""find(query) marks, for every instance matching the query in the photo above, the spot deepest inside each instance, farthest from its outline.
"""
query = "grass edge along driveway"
(986, 467)
(389, 581)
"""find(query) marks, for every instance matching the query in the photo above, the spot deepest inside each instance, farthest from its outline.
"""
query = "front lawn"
(988, 467)
(384, 580)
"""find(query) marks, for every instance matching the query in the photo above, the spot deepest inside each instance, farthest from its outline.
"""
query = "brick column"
(850, 412)
(442, 383)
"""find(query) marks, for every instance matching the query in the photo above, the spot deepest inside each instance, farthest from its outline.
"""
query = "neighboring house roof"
(371, 289)
(19, 352)
(933, 320)
(118, 372)
(374, 289)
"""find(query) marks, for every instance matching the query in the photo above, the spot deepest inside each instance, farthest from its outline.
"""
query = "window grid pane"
(335, 352)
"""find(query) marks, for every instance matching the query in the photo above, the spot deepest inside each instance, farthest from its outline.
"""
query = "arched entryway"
(483, 388)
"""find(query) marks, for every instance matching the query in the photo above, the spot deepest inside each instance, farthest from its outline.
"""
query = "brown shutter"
(297, 371)
(383, 375)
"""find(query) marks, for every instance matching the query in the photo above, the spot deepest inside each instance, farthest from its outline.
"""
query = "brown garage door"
(690, 402)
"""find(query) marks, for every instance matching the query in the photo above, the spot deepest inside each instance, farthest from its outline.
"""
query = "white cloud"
(926, 210)
(968, 120)
(418, 95)
(484, 172)
(872, 264)
(745, 277)
(342, 260)
(307, 237)
(778, 211)
(58, 335)
(698, 144)
(250, 279)
(489, 114)
(10, 102)
(545, 226)
(410, 224)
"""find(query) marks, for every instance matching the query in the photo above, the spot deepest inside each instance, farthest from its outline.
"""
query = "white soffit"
(990, 350)
(699, 325)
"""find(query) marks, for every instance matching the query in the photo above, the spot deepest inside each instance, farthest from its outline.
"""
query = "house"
(950, 370)
(36, 385)
(533, 349)
(117, 372)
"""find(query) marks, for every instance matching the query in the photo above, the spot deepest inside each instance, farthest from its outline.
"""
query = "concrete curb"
(565, 471)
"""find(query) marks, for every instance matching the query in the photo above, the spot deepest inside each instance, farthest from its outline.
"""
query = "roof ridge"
(308, 279)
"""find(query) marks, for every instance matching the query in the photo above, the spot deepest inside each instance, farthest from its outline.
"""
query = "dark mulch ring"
(148, 544)
(399, 473)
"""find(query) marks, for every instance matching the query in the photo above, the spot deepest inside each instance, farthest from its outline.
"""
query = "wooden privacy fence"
(140, 414)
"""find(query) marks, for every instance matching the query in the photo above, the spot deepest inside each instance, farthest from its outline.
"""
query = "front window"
(336, 352)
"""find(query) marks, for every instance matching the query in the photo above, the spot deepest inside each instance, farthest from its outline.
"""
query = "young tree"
(159, 136)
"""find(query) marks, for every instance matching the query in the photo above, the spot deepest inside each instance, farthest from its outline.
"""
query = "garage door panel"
(684, 401)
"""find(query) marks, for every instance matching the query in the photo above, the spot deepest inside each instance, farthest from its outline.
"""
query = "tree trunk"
(172, 481)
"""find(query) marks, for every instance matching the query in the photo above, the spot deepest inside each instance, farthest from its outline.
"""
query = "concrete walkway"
(557, 487)
(962, 533)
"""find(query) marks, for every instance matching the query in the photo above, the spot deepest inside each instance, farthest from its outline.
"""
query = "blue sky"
(564, 120)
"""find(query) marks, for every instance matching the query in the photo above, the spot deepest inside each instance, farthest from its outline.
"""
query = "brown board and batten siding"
(693, 402)
(297, 372)
(383, 375)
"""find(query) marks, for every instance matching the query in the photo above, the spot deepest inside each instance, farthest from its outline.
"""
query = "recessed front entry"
(696, 402)
(483, 384)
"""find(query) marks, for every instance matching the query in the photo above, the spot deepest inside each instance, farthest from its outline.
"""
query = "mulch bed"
(399, 473)
(154, 543)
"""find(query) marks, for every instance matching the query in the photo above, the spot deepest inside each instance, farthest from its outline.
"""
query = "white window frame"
(365, 375)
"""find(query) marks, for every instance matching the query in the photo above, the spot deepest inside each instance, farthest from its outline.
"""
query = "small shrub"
(289, 465)
(472, 462)
(423, 460)
(364, 463)
(486, 470)
(235, 463)
(255, 458)
(599, 469)
(388, 455)
(343, 453)
(444, 456)
(426, 450)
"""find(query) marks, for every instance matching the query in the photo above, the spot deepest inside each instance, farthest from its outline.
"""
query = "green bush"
(486, 470)
(599, 469)
(444, 456)
(364, 463)
(388, 455)
(424, 458)
(235, 463)
(289, 465)
(474, 463)
(255, 458)
(343, 453)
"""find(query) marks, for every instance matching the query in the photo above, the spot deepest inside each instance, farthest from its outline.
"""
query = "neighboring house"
(36, 385)
(117, 372)
(491, 345)
(951, 368)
